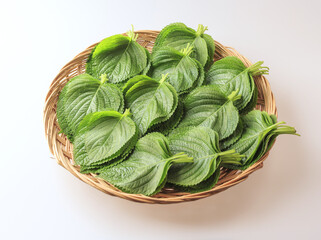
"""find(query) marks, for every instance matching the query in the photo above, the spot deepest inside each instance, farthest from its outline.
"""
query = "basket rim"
(54, 139)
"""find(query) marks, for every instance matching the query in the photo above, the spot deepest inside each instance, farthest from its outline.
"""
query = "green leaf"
(131, 82)
(211, 50)
(236, 135)
(230, 74)
(97, 168)
(146, 169)
(205, 185)
(183, 71)
(202, 144)
(259, 129)
(252, 104)
(103, 136)
(118, 56)
(178, 35)
(82, 95)
(167, 126)
(151, 102)
(206, 106)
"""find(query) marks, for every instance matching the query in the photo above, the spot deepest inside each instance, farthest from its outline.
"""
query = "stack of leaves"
(259, 132)
(119, 57)
(230, 74)
(174, 129)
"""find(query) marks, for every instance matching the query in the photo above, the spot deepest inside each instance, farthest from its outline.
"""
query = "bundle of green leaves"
(142, 121)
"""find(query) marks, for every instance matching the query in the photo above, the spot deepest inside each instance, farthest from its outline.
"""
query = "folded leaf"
(178, 35)
(151, 102)
(236, 135)
(230, 74)
(183, 71)
(146, 169)
(85, 94)
(103, 136)
(202, 144)
(167, 126)
(202, 186)
(118, 56)
(259, 130)
(206, 106)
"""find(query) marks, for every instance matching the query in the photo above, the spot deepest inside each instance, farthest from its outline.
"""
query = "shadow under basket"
(61, 148)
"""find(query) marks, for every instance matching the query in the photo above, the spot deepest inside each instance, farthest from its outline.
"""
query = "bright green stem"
(181, 158)
(285, 130)
(103, 78)
(257, 69)
(164, 76)
(188, 50)
(233, 96)
(275, 126)
(231, 157)
(201, 29)
(127, 113)
(131, 34)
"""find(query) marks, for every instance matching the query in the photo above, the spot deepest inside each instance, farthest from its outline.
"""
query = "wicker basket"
(61, 148)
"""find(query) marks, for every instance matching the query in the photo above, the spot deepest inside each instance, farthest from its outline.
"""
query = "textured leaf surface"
(166, 127)
(151, 102)
(230, 74)
(178, 35)
(206, 106)
(259, 129)
(85, 94)
(183, 71)
(102, 137)
(236, 135)
(146, 169)
(202, 186)
(118, 56)
(200, 143)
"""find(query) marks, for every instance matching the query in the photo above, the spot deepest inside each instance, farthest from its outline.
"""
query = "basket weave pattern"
(61, 148)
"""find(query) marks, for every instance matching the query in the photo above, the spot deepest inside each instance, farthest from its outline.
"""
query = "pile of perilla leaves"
(174, 117)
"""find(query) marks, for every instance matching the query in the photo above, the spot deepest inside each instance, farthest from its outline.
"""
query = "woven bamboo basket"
(61, 148)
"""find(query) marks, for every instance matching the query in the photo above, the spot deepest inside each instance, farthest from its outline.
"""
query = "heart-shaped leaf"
(118, 56)
(151, 102)
(146, 169)
(178, 35)
(183, 71)
(206, 106)
(230, 74)
(259, 130)
(103, 136)
(85, 94)
(202, 144)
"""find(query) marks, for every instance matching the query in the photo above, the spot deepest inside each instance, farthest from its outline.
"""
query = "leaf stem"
(187, 50)
(233, 96)
(285, 130)
(231, 157)
(131, 34)
(257, 69)
(181, 158)
(103, 78)
(164, 76)
(127, 113)
(201, 29)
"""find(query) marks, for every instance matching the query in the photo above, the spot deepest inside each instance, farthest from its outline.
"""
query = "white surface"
(40, 200)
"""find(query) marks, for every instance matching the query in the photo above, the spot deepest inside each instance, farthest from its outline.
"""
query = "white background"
(41, 200)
